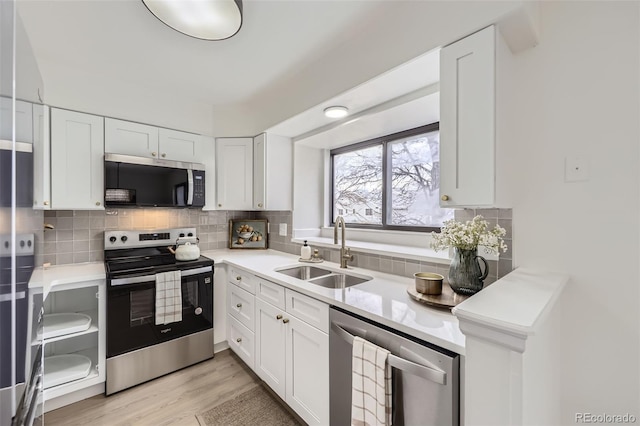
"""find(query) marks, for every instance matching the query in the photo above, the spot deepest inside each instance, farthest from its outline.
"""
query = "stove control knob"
(198, 310)
(181, 235)
(123, 238)
(21, 243)
(190, 234)
(28, 243)
(112, 239)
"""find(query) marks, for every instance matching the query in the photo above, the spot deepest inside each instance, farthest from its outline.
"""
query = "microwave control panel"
(198, 188)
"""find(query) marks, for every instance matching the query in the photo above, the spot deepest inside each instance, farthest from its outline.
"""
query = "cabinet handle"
(97, 203)
(278, 317)
(46, 203)
(286, 320)
(445, 198)
(239, 305)
(238, 278)
(164, 155)
(153, 154)
(239, 339)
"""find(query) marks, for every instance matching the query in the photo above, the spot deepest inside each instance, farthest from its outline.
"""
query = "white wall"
(577, 94)
(73, 89)
(308, 188)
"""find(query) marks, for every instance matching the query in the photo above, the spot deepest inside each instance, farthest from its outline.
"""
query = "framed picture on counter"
(248, 234)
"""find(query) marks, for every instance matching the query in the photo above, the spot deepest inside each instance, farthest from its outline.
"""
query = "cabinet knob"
(219, 205)
(259, 204)
(97, 203)
(164, 155)
(278, 317)
(238, 278)
(46, 203)
(239, 305)
(286, 320)
(445, 198)
(239, 339)
(153, 154)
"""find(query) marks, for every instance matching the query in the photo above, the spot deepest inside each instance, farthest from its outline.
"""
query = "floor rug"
(253, 407)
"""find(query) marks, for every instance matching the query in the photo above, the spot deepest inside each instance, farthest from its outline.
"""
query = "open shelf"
(93, 328)
(79, 383)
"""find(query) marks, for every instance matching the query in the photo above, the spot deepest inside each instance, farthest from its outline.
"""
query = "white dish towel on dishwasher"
(168, 297)
(371, 402)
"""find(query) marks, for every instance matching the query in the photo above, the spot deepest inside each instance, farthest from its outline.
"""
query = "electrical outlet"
(283, 230)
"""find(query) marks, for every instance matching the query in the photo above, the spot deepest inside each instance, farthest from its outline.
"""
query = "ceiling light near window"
(336, 111)
(203, 19)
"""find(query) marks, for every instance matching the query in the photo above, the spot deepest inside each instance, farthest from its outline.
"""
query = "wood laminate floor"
(174, 399)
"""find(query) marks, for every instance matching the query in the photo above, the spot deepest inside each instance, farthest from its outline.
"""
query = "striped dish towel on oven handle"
(371, 402)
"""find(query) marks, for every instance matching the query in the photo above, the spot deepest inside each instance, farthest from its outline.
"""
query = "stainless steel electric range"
(142, 343)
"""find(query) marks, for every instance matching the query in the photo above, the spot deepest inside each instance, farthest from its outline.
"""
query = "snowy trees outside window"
(390, 182)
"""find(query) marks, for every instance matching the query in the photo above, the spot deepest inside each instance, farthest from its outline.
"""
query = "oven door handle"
(152, 277)
(424, 371)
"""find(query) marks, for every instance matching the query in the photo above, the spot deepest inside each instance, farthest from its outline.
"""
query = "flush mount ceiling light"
(336, 111)
(203, 19)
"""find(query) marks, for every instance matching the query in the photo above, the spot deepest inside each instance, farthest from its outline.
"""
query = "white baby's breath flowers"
(469, 235)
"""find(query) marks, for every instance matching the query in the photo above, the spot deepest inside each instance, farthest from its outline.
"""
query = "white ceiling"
(122, 40)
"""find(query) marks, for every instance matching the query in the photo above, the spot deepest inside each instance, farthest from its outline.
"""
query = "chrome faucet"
(345, 253)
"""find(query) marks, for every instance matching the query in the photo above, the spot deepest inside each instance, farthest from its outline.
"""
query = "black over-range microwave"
(145, 182)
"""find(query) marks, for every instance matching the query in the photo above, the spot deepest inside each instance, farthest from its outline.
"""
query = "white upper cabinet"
(24, 126)
(209, 161)
(180, 146)
(142, 140)
(272, 172)
(41, 158)
(77, 157)
(126, 137)
(234, 173)
(467, 121)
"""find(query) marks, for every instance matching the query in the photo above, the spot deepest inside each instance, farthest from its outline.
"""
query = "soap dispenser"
(305, 252)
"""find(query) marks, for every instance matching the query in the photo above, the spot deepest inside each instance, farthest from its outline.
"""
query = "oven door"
(131, 319)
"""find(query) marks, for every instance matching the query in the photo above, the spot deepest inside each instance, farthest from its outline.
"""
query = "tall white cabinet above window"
(272, 172)
(234, 173)
(468, 98)
(77, 161)
(142, 140)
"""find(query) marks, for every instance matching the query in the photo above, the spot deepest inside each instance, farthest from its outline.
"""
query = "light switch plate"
(283, 230)
(576, 169)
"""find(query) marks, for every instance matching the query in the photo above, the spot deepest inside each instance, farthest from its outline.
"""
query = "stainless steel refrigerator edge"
(426, 380)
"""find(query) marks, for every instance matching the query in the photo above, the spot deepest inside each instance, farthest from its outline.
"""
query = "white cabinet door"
(77, 156)
(270, 346)
(467, 121)
(241, 341)
(24, 127)
(272, 172)
(180, 146)
(240, 305)
(234, 173)
(126, 137)
(307, 371)
(41, 158)
(209, 161)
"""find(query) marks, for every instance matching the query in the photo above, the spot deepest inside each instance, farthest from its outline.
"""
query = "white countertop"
(384, 299)
(64, 275)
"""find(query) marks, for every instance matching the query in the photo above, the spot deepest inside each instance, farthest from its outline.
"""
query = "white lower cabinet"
(74, 338)
(288, 346)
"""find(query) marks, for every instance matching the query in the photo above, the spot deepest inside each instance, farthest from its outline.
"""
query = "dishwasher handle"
(434, 375)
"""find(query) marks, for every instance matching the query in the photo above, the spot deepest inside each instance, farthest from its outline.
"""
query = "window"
(390, 182)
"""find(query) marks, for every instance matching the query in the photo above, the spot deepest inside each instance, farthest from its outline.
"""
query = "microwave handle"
(190, 187)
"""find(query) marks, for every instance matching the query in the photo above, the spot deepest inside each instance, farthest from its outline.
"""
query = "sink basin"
(339, 280)
(304, 272)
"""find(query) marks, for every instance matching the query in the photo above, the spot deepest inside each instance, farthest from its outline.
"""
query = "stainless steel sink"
(339, 280)
(304, 272)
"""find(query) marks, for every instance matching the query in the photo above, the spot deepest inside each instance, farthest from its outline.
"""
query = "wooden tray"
(447, 299)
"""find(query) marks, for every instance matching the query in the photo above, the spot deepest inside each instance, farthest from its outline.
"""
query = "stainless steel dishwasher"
(425, 377)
